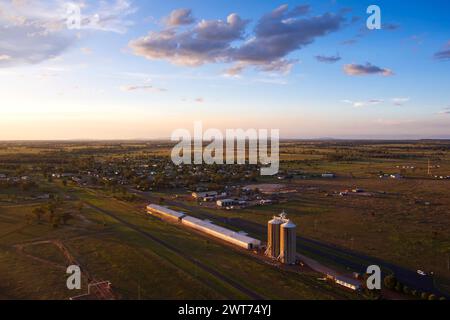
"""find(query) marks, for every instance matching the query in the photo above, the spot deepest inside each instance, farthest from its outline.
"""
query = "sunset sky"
(141, 69)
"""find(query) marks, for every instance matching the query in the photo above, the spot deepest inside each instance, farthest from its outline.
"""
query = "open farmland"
(93, 196)
(170, 263)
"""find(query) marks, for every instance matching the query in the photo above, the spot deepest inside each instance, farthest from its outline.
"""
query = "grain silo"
(288, 237)
(273, 237)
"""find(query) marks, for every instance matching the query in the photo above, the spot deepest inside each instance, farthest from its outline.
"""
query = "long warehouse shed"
(166, 212)
(221, 233)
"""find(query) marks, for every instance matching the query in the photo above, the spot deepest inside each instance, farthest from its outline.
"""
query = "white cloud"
(360, 104)
(366, 69)
(35, 31)
(276, 35)
(400, 101)
(445, 111)
(179, 17)
(391, 122)
(148, 88)
(86, 51)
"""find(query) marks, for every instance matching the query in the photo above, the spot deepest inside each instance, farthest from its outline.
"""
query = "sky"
(135, 69)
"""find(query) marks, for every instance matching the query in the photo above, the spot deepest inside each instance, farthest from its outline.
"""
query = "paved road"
(250, 293)
(348, 259)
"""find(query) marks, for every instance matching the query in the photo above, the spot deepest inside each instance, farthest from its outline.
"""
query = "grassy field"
(394, 224)
(405, 221)
(137, 267)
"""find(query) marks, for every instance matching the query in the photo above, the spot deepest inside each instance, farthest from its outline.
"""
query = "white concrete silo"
(273, 237)
(288, 242)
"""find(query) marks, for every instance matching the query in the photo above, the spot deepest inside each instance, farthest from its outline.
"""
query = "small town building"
(349, 283)
(201, 195)
(226, 203)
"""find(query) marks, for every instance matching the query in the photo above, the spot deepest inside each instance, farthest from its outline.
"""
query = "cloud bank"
(276, 35)
(34, 31)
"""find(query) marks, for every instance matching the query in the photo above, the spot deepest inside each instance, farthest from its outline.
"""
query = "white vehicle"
(422, 273)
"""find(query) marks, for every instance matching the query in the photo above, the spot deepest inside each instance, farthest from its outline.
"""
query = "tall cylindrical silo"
(288, 245)
(273, 237)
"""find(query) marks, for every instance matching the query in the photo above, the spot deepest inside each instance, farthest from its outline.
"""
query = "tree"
(390, 281)
(55, 221)
(66, 216)
(38, 213)
(406, 290)
(29, 217)
(424, 295)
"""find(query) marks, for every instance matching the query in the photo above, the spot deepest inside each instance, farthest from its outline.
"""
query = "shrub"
(406, 290)
(390, 281)
(432, 297)
(424, 295)
(399, 287)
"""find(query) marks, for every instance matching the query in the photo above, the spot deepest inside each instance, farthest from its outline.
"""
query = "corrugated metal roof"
(165, 210)
(222, 230)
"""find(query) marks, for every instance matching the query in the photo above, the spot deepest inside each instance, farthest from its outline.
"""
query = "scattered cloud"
(349, 42)
(445, 111)
(418, 39)
(4, 57)
(366, 69)
(197, 100)
(390, 26)
(277, 81)
(35, 31)
(207, 42)
(391, 122)
(328, 59)
(444, 54)
(179, 17)
(148, 88)
(235, 70)
(360, 104)
(275, 36)
(86, 51)
(399, 101)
